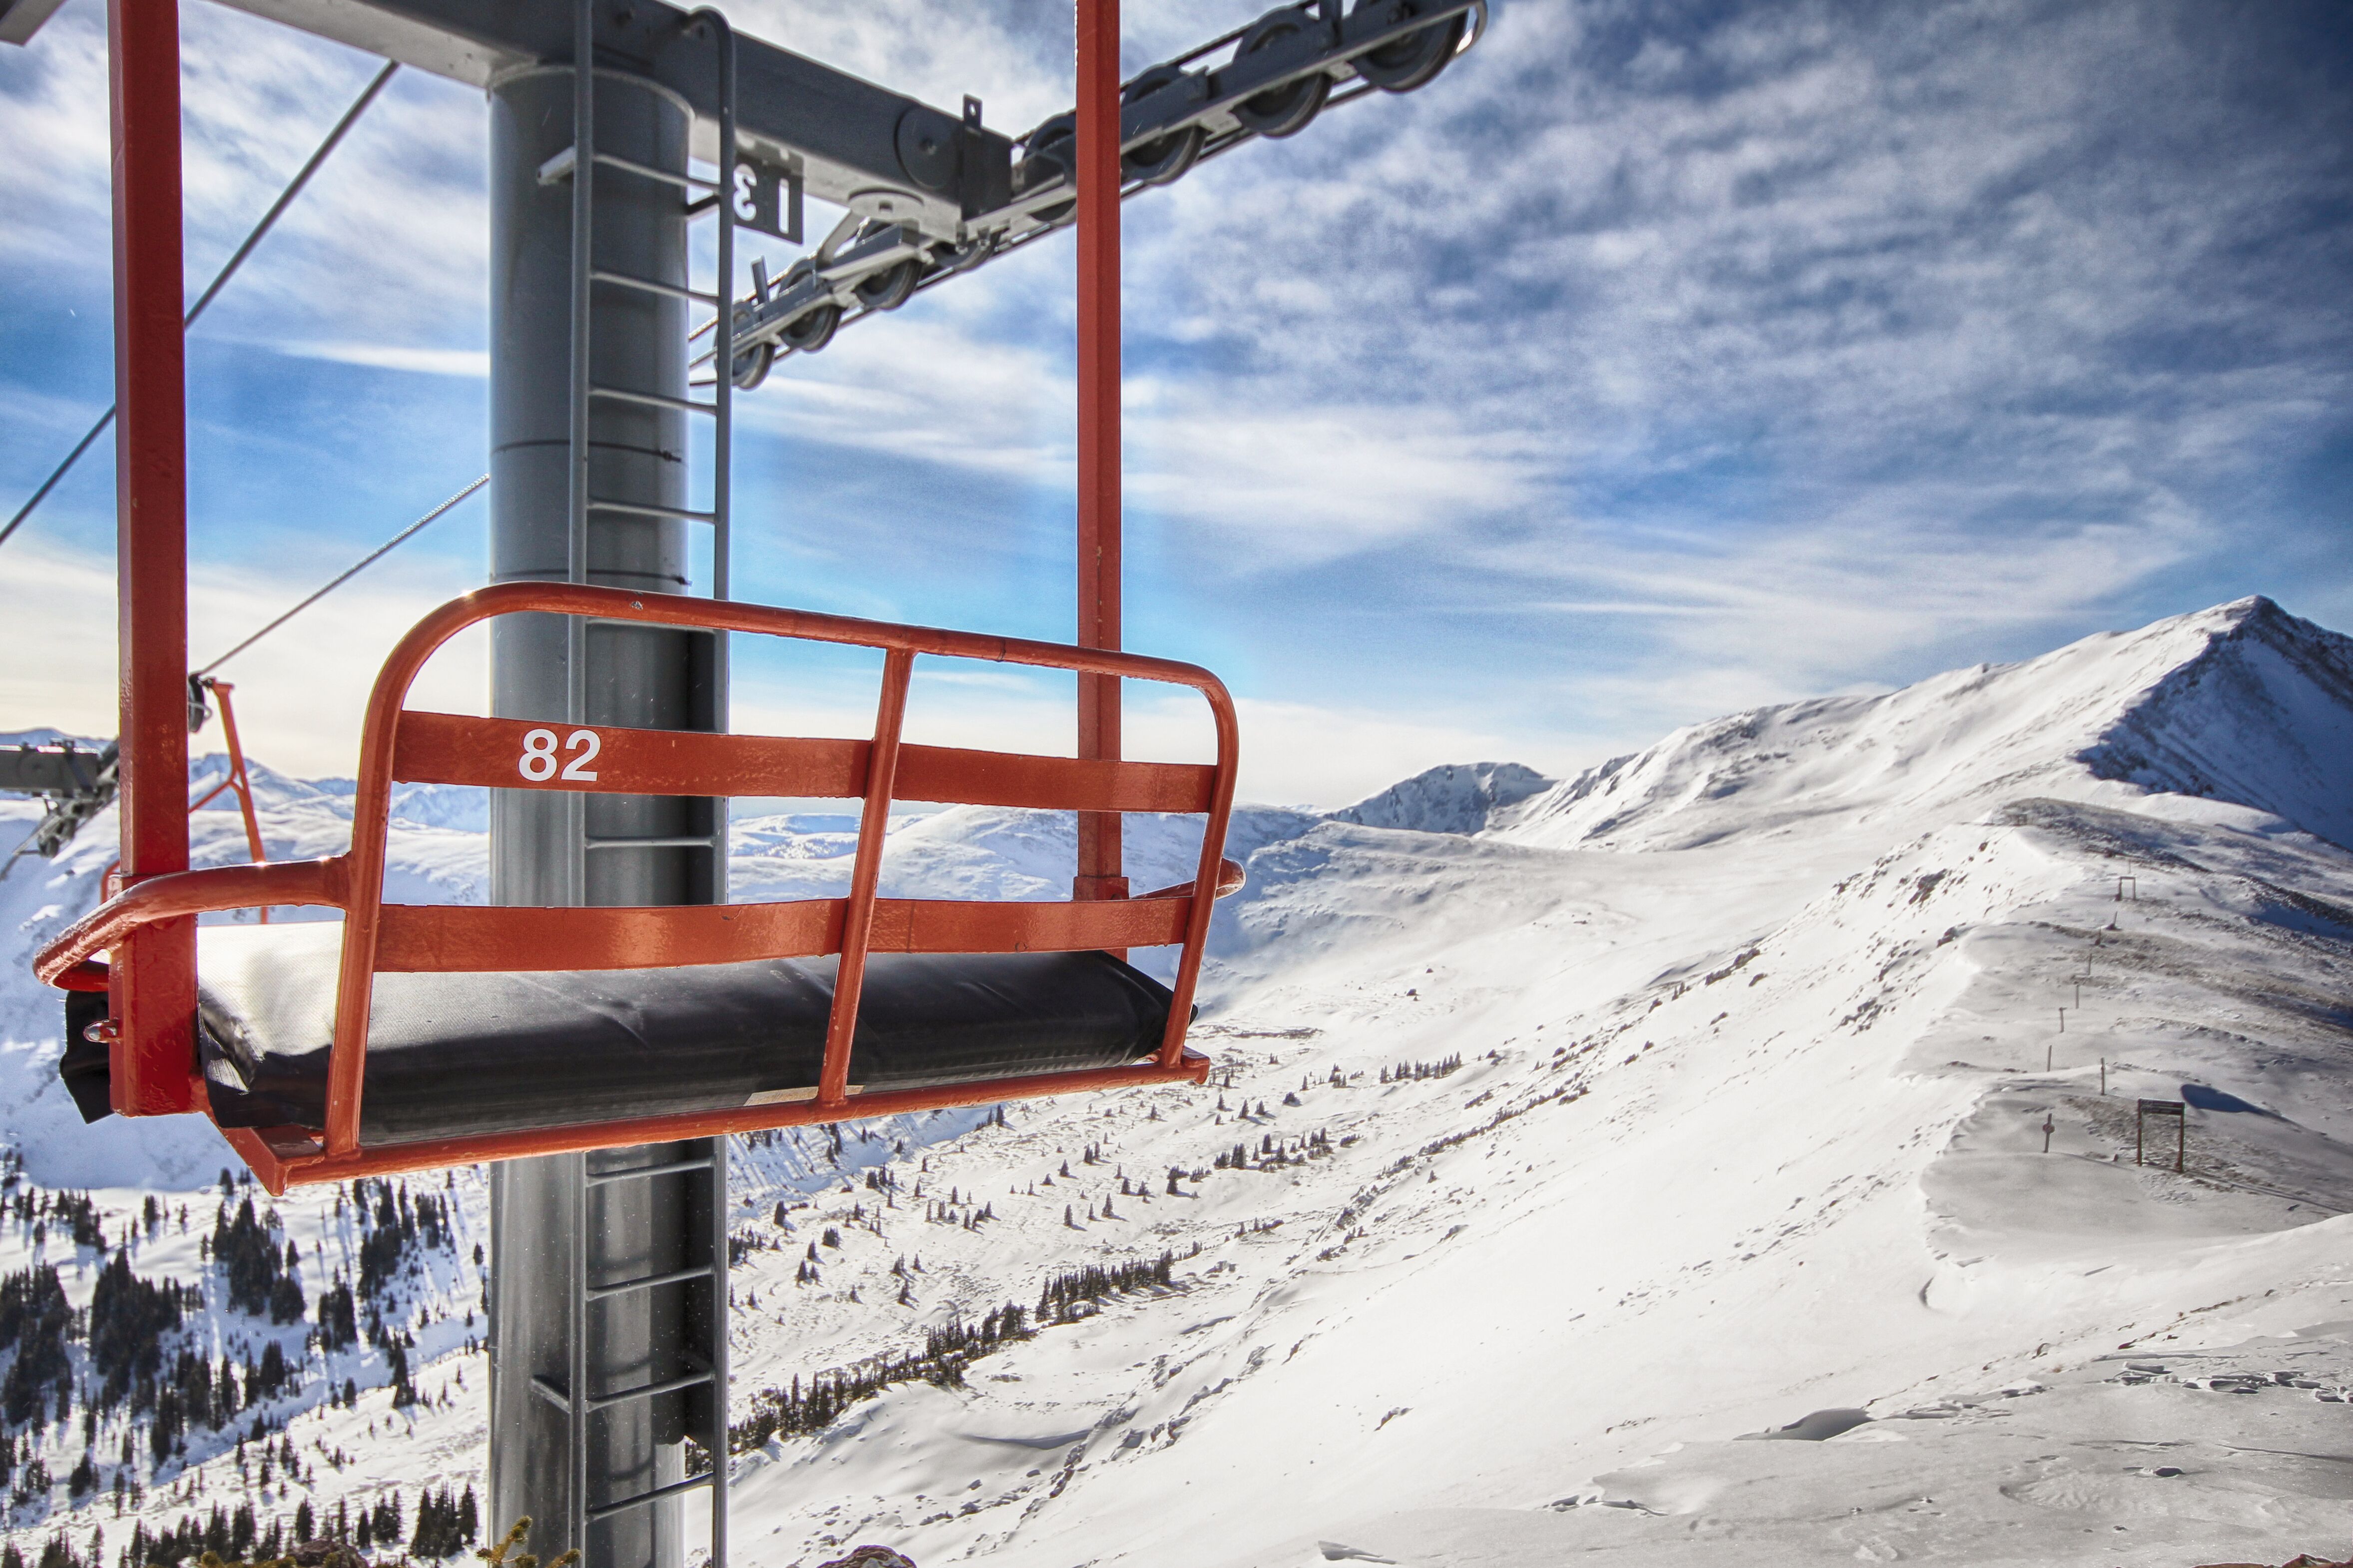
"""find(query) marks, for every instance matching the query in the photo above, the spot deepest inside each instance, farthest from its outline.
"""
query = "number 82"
(539, 759)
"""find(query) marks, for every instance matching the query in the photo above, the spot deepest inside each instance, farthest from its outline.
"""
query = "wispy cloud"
(472, 362)
(1655, 360)
(301, 692)
(1274, 485)
(388, 242)
(1877, 575)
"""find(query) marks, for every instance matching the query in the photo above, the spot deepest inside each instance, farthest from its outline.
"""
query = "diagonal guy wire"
(362, 564)
(285, 199)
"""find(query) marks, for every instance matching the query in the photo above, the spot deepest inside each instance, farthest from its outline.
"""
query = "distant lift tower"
(608, 1299)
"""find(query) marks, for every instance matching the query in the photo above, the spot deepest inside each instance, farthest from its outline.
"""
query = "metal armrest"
(66, 961)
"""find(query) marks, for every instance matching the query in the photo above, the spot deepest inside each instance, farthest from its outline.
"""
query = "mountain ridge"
(2179, 707)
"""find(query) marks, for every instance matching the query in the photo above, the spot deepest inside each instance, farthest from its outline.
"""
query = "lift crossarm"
(928, 194)
(78, 784)
(1270, 79)
(836, 136)
(61, 769)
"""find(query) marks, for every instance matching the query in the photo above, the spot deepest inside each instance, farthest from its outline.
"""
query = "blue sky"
(1658, 361)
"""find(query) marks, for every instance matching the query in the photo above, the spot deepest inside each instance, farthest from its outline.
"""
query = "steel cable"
(362, 564)
(228, 271)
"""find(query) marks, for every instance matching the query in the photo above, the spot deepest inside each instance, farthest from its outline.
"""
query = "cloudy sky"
(1657, 361)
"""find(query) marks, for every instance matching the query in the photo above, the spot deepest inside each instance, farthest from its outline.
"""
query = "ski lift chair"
(412, 1037)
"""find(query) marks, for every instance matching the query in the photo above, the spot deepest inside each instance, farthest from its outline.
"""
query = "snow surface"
(1759, 1032)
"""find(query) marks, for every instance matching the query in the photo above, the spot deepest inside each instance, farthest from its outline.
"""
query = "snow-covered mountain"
(2242, 702)
(1567, 1133)
(1455, 798)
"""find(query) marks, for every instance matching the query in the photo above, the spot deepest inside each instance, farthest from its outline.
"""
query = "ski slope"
(1759, 1033)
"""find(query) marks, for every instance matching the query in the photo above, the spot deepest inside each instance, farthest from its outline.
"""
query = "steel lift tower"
(615, 126)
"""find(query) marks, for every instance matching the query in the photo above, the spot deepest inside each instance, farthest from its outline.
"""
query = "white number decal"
(538, 763)
(578, 768)
(538, 760)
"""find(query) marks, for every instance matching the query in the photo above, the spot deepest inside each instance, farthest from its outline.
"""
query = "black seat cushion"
(451, 1055)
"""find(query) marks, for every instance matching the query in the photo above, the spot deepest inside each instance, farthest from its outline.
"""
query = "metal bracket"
(20, 19)
(987, 183)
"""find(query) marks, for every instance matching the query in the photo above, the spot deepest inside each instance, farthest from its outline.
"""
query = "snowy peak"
(1459, 798)
(2263, 716)
(2242, 702)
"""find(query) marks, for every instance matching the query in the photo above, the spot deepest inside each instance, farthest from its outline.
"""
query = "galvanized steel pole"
(555, 452)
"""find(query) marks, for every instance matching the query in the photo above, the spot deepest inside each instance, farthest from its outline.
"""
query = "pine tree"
(404, 1393)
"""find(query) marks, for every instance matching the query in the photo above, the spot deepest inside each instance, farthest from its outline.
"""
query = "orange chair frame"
(400, 744)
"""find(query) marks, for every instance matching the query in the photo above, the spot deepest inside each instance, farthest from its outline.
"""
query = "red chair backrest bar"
(405, 746)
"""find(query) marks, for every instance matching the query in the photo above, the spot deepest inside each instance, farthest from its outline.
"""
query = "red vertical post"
(153, 977)
(1099, 448)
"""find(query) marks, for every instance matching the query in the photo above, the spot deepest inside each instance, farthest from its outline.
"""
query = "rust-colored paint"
(183, 894)
(1099, 869)
(236, 779)
(450, 748)
(153, 977)
(945, 925)
(420, 939)
(377, 938)
(951, 776)
(426, 938)
(865, 875)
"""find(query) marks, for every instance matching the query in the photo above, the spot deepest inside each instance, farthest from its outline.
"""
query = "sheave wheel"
(889, 288)
(1411, 61)
(1280, 111)
(752, 366)
(1163, 158)
(809, 333)
(1053, 145)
